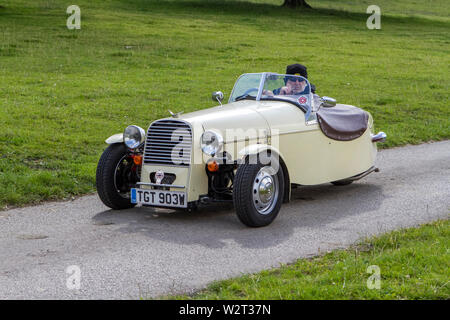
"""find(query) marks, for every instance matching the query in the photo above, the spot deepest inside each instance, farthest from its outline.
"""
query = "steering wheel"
(246, 93)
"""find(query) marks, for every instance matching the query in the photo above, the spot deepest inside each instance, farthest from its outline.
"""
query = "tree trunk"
(296, 4)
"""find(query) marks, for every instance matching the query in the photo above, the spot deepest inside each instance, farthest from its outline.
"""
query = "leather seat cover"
(342, 122)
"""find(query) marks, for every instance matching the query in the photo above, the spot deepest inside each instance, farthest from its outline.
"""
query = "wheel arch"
(256, 149)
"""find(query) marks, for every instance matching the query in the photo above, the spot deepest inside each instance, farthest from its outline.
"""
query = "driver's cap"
(297, 69)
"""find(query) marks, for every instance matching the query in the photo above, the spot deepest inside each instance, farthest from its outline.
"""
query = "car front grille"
(168, 142)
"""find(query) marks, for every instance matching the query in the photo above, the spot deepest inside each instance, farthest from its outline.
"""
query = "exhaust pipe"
(365, 173)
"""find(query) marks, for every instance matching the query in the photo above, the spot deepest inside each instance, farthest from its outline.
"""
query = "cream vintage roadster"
(273, 134)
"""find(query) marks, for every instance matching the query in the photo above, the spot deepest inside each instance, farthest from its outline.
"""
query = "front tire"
(114, 177)
(258, 193)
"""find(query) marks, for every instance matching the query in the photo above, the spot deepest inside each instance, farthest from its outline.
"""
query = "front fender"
(255, 149)
(117, 138)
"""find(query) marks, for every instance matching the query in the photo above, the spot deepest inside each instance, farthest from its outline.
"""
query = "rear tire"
(258, 194)
(106, 178)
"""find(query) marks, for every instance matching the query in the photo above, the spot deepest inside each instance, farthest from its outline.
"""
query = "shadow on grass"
(222, 10)
(248, 9)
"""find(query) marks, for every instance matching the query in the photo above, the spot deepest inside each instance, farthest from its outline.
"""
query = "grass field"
(413, 264)
(63, 92)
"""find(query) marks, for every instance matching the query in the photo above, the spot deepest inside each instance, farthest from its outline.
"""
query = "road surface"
(143, 252)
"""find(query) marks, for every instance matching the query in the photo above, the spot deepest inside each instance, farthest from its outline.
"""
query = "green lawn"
(413, 264)
(63, 92)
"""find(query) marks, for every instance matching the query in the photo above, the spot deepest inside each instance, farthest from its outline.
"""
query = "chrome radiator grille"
(168, 142)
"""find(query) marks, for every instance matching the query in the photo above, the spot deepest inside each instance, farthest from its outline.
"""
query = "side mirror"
(217, 96)
(328, 102)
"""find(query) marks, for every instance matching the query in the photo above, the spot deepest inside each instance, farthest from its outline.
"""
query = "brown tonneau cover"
(342, 122)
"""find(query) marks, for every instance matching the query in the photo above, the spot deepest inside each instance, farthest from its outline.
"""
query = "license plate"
(159, 198)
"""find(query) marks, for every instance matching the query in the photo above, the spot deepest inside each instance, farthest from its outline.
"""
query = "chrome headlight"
(133, 136)
(211, 142)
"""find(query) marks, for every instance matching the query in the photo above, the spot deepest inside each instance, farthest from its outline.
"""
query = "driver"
(293, 84)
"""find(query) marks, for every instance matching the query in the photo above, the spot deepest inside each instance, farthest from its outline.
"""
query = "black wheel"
(258, 192)
(116, 175)
(342, 182)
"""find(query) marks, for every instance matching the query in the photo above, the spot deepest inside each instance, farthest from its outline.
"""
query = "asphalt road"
(144, 252)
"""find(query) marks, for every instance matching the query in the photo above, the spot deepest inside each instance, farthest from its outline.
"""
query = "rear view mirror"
(217, 96)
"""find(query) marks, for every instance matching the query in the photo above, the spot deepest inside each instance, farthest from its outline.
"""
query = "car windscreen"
(285, 85)
(246, 87)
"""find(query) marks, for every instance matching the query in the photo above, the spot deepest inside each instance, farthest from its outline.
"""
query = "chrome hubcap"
(265, 191)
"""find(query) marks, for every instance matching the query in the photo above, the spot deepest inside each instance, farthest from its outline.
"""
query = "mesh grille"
(168, 142)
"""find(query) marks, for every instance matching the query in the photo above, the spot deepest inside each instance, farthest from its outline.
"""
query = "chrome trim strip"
(312, 122)
(169, 136)
(156, 145)
(165, 142)
(379, 137)
(165, 148)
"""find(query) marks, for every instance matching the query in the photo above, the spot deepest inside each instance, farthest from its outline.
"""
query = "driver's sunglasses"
(293, 79)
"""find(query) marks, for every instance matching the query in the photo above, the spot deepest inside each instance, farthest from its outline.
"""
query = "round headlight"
(133, 136)
(211, 142)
